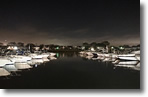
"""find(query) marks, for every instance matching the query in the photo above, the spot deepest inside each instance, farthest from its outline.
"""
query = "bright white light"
(15, 48)
(92, 49)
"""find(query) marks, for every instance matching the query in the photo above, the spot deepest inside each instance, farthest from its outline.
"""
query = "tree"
(106, 43)
(12, 44)
(1, 44)
(100, 45)
(93, 44)
(86, 45)
(20, 44)
(30, 46)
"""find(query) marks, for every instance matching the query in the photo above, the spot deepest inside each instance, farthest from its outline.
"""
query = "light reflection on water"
(70, 70)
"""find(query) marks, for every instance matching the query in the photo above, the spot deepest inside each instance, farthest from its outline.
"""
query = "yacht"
(10, 68)
(4, 72)
(19, 58)
(21, 66)
(129, 57)
(5, 61)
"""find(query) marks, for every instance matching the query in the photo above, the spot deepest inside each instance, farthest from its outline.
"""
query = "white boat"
(127, 55)
(35, 56)
(22, 66)
(136, 52)
(19, 58)
(128, 58)
(52, 54)
(89, 53)
(35, 61)
(4, 72)
(89, 57)
(107, 55)
(45, 55)
(138, 57)
(114, 56)
(138, 65)
(100, 55)
(10, 68)
(95, 58)
(82, 52)
(5, 61)
(45, 60)
(107, 59)
(40, 56)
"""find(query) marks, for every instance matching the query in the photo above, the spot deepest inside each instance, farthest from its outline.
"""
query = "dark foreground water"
(70, 71)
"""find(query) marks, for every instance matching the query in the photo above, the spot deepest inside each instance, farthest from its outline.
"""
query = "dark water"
(71, 71)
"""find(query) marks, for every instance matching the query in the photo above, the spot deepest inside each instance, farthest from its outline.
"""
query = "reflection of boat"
(4, 72)
(22, 66)
(128, 62)
(129, 66)
(5, 61)
(10, 68)
(116, 62)
(52, 58)
(95, 58)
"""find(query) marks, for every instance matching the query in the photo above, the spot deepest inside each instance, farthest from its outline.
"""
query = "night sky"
(70, 22)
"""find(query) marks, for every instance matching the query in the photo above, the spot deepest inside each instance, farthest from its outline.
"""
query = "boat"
(10, 68)
(5, 61)
(35, 61)
(52, 54)
(21, 66)
(4, 72)
(19, 58)
(89, 53)
(45, 60)
(35, 56)
(129, 57)
(134, 67)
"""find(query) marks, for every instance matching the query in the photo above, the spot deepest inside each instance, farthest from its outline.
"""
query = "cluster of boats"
(131, 60)
(13, 63)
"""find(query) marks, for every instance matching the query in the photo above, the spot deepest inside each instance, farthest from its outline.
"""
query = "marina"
(71, 70)
(70, 44)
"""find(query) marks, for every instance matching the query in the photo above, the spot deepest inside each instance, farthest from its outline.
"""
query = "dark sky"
(70, 22)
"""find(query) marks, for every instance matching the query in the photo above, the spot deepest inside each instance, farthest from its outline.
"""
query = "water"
(70, 71)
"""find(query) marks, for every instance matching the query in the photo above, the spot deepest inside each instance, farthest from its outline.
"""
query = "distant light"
(92, 49)
(83, 48)
(57, 48)
(112, 47)
(36, 65)
(57, 54)
(121, 48)
(15, 48)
